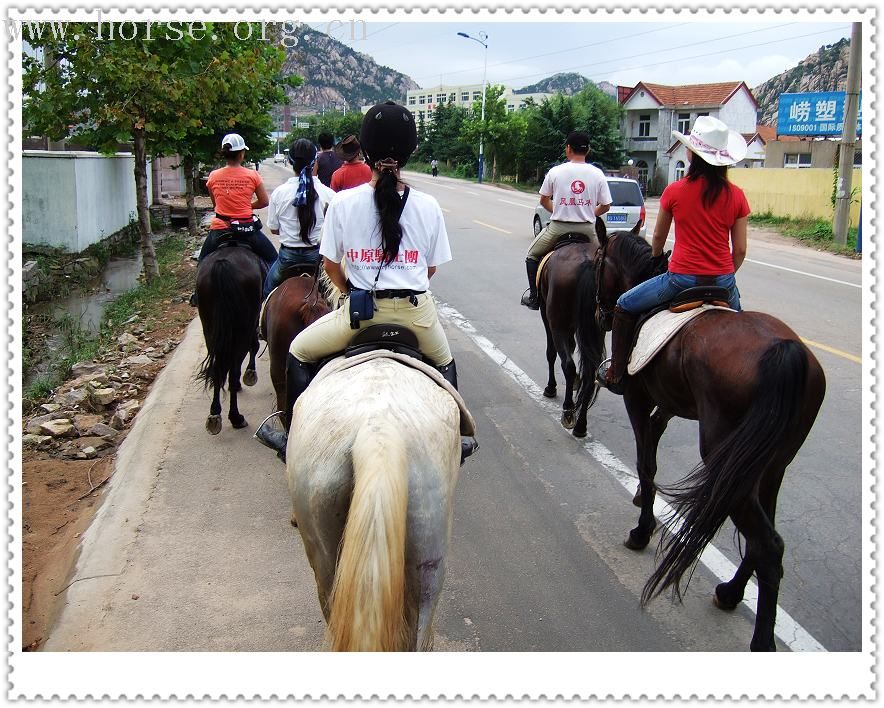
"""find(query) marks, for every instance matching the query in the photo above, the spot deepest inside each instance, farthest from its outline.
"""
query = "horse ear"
(637, 228)
(600, 231)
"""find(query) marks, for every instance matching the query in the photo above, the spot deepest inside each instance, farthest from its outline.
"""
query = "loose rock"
(50, 407)
(138, 360)
(58, 428)
(35, 440)
(103, 431)
(103, 396)
(84, 422)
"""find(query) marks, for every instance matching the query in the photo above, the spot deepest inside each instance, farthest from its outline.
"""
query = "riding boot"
(529, 299)
(468, 445)
(193, 299)
(298, 376)
(622, 334)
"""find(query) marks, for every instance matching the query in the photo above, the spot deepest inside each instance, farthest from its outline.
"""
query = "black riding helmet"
(302, 148)
(388, 131)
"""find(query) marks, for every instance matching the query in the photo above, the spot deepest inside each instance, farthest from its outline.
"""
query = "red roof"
(768, 134)
(623, 92)
(693, 94)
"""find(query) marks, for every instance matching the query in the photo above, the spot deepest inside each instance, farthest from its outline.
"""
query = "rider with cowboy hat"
(354, 171)
(394, 238)
(576, 192)
(710, 217)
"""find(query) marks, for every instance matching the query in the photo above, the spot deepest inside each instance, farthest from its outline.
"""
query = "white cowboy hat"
(713, 141)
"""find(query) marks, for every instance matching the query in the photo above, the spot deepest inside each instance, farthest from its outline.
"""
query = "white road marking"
(467, 191)
(787, 629)
(491, 226)
(507, 201)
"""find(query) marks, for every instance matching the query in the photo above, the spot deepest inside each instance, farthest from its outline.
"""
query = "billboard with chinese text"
(814, 114)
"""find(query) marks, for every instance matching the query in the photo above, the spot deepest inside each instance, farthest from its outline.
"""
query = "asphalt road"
(196, 527)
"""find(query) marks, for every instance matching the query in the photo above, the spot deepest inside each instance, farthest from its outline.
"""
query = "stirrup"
(467, 447)
(274, 439)
(600, 377)
(532, 303)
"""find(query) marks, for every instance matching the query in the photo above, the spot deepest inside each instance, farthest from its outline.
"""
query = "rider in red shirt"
(710, 217)
(354, 171)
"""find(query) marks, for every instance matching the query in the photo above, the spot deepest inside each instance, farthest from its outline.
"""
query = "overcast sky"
(519, 54)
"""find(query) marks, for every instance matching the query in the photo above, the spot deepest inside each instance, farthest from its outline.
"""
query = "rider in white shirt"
(576, 193)
(296, 213)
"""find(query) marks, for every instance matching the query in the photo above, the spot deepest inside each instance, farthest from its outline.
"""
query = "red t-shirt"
(702, 236)
(232, 189)
(349, 175)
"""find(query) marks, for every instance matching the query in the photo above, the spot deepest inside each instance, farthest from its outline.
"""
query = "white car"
(279, 157)
(627, 208)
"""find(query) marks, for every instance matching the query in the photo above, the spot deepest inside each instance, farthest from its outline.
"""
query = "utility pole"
(848, 138)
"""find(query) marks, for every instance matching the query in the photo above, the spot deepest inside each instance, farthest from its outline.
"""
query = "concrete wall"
(794, 193)
(823, 153)
(71, 200)
(740, 113)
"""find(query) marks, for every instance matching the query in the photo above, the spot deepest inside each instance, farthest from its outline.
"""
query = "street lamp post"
(483, 40)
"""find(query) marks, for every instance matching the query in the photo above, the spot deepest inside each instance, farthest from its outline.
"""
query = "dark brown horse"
(567, 293)
(755, 389)
(296, 303)
(228, 287)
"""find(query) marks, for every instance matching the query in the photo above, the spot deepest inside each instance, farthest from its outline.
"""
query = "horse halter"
(603, 313)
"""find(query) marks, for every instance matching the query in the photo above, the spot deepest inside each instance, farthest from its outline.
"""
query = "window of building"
(684, 123)
(857, 158)
(411, 100)
(420, 115)
(644, 126)
(679, 168)
(465, 96)
(705, 113)
(422, 100)
(642, 168)
(796, 159)
(440, 98)
(477, 95)
(511, 107)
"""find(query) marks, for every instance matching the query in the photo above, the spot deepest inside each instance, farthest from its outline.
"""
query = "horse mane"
(634, 254)
(328, 289)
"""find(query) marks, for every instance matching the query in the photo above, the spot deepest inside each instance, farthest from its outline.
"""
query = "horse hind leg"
(250, 377)
(550, 390)
(566, 354)
(648, 430)
(235, 417)
(213, 422)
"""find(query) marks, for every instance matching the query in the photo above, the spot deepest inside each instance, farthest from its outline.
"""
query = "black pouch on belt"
(361, 307)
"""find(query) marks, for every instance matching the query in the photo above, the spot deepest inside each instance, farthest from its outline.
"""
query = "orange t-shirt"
(232, 189)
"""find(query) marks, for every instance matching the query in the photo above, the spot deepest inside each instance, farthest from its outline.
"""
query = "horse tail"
(368, 596)
(231, 323)
(590, 338)
(731, 473)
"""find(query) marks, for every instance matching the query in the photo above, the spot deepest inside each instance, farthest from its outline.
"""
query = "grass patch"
(814, 232)
(77, 344)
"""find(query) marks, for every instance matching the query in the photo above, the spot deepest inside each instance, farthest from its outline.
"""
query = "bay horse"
(228, 287)
(755, 389)
(372, 462)
(567, 293)
(297, 302)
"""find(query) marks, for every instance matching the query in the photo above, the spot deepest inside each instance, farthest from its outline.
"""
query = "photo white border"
(518, 675)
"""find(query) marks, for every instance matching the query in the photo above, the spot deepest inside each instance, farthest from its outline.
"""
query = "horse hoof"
(239, 423)
(250, 377)
(636, 542)
(579, 432)
(213, 424)
(293, 520)
(569, 420)
(637, 499)
(720, 602)
(550, 392)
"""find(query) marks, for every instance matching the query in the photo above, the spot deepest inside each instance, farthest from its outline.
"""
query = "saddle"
(566, 240)
(394, 338)
(298, 269)
(657, 326)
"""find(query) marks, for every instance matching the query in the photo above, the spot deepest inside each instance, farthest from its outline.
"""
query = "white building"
(653, 111)
(422, 102)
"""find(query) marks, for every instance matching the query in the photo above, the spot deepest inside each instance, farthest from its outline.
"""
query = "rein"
(602, 312)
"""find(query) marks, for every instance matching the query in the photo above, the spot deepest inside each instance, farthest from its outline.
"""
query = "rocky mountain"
(336, 76)
(824, 70)
(568, 84)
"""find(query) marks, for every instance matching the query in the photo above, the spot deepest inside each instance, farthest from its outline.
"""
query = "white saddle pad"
(658, 330)
(467, 424)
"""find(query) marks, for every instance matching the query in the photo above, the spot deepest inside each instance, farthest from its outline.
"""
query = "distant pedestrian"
(257, 165)
(354, 171)
(327, 160)
(435, 165)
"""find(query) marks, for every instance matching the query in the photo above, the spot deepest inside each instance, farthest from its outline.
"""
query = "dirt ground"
(60, 496)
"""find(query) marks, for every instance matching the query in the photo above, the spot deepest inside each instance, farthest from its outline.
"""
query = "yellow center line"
(489, 226)
(832, 350)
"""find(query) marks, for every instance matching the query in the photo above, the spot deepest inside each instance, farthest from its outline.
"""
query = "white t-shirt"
(576, 189)
(352, 232)
(282, 215)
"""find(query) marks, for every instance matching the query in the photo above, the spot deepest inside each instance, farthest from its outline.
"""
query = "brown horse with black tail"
(567, 293)
(755, 389)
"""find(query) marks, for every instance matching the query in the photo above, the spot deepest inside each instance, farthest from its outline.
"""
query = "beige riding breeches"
(331, 333)
(554, 230)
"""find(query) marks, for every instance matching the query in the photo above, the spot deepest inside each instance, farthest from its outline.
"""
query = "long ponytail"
(389, 204)
(714, 176)
(306, 211)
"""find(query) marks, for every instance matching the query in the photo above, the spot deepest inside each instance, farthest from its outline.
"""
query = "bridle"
(603, 313)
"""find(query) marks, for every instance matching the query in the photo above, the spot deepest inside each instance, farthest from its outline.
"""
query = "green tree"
(493, 130)
(598, 115)
(158, 90)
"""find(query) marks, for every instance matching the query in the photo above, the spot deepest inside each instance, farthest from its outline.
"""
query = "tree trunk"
(494, 168)
(189, 171)
(148, 257)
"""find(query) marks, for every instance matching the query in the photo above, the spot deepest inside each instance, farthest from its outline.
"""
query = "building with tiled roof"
(652, 111)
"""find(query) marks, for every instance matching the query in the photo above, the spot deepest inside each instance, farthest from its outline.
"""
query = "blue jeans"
(260, 244)
(662, 288)
(288, 257)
